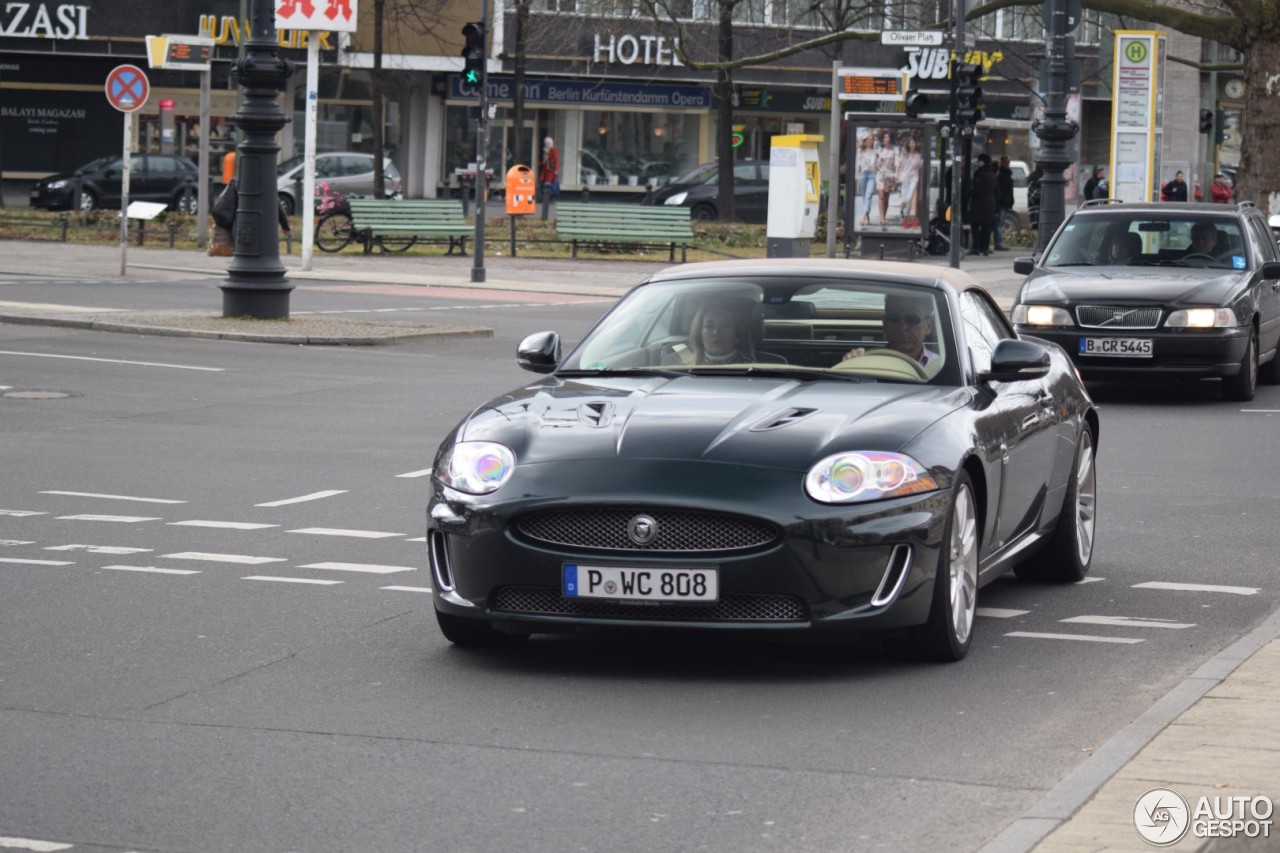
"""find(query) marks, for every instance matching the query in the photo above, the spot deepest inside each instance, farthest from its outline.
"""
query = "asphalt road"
(215, 634)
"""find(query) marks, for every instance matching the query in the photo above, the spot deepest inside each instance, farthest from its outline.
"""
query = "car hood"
(780, 422)
(668, 190)
(1147, 285)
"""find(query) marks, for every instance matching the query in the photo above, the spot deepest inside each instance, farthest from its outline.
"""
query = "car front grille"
(1117, 317)
(544, 601)
(606, 529)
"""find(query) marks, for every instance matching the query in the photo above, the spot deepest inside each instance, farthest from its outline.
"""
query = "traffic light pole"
(482, 148)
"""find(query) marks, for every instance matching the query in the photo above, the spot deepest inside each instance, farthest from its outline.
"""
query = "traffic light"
(473, 53)
(967, 93)
(1219, 127)
(1206, 121)
(916, 102)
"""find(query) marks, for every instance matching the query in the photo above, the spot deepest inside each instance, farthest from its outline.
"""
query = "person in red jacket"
(549, 170)
(1221, 190)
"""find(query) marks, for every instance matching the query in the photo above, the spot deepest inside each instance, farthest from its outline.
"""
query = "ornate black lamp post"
(1056, 130)
(256, 286)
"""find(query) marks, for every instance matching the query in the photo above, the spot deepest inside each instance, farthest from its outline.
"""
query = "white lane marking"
(289, 580)
(1262, 411)
(407, 588)
(1127, 622)
(33, 844)
(98, 549)
(1084, 638)
(35, 562)
(229, 525)
(54, 306)
(314, 496)
(21, 513)
(116, 361)
(334, 531)
(123, 519)
(999, 612)
(156, 569)
(242, 559)
(115, 497)
(418, 539)
(1084, 581)
(15, 542)
(424, 472)
(360, 567)
(1198, 587)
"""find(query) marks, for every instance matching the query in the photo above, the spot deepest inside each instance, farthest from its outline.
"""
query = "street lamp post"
(1055, 130)
(255, 285)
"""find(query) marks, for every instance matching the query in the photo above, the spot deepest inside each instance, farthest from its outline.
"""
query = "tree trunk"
(722, 94)
(379, 144)
(1258, 179)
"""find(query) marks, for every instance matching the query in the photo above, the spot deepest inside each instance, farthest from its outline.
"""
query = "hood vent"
(785, 418)
(596, 414)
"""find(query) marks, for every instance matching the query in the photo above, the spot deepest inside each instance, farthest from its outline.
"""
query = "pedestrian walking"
(1004, 200)
(1220, 191)
(982, 205)
(549, 170)
(1175, 190)
(1096, 186)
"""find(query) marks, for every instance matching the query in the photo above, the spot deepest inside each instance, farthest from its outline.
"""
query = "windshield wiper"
(625, 371)
(808, 374)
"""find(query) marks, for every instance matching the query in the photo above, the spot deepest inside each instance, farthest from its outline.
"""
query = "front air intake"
(894, 575)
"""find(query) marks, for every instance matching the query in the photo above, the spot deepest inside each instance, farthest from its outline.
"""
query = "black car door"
(750, 192)
(1268, 289)
(1025, 420)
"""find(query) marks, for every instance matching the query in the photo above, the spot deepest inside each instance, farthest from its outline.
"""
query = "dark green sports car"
(820, 447)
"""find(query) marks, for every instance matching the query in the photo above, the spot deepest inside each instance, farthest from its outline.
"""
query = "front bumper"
(43, 198)
(823, 569)
(1180, 354)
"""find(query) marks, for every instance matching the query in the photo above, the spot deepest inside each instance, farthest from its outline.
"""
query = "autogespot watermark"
(1162, 817)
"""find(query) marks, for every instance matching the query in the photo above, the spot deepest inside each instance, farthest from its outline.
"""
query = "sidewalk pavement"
(1217, 734)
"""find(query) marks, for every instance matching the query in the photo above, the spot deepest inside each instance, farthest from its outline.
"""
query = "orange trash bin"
(521, 190)
(228, 166)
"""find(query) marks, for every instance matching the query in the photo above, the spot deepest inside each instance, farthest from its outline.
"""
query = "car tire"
(1012, 226)
(88, 201)
(948, 633)
(1241, 387)
(475, 633)
(1068, 554)
(703, 213)
(286, 204)
(189, 208)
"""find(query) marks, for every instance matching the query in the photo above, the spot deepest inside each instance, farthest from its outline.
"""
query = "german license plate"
(1117, 347)
(640, 584)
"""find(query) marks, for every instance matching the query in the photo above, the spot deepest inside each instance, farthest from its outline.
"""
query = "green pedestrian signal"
(473, 53)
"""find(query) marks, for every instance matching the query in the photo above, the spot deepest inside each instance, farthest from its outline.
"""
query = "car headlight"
(57, 185)
(476, 467)
(1041, 315)
(678, 198)
(1202, 318)
(866, 476)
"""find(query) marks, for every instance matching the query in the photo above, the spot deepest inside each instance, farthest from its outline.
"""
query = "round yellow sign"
(1135, 51)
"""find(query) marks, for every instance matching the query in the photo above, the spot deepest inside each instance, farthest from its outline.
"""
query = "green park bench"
(396, 225)
(625, 224)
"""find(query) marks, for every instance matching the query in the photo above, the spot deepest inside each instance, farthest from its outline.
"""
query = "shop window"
(636, 149)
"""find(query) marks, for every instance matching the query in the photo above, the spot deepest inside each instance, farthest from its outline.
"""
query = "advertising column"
(1136, 117)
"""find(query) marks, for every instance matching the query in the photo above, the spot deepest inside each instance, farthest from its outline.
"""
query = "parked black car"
(152, 177)
(698, 188)
(1143, 291)
(817, 447)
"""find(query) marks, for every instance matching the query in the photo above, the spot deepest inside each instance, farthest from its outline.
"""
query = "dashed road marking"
(1084, 581)
(227, 525)
(407, 588)
(99, 549)
(123, 519)
(21, 513)
(154, 569)
(16, 542)
(1128, 622)
(33, 844)
(35, 562)
(1198, 587)
(369, 568)
(424, 472)
(1083, 638)
(333, 531)
(242, 559)
(115, 361)
(114, 497)
(290, 580)
(314, 496)
(999, 612)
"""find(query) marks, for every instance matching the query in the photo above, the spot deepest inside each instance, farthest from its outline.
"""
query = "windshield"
(1150, 239)
(95, 165)
(832, 328)
(293, 162)
(706, 173)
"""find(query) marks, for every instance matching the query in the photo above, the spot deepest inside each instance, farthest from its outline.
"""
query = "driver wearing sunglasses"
(908, 321)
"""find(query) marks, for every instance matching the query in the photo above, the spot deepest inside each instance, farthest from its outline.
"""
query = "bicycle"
(335, 229)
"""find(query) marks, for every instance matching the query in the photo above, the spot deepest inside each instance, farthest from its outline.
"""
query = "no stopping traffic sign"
(127, 88)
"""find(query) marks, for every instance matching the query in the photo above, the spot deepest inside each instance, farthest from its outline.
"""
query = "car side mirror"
(1016, 360)
(539, 352)
(1271, 269)
(1024, 266)
(110, 174)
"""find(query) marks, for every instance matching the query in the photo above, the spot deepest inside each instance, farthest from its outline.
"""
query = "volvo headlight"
(1041, 315)
(866, 476)
(1202, 318)
(476, 467)
(678, 198)
(57, 185)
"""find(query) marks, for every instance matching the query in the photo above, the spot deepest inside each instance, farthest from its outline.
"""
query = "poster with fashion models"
(889, 178)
